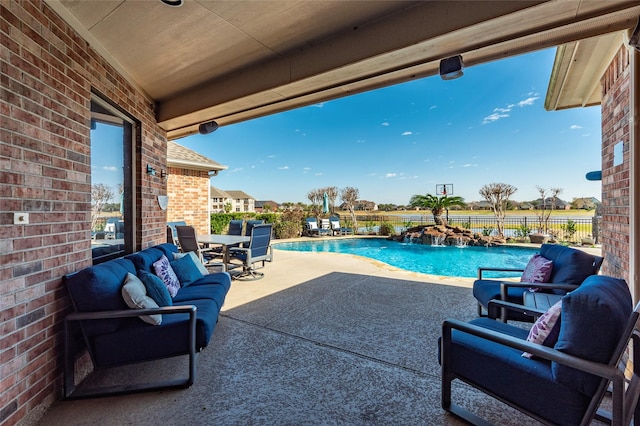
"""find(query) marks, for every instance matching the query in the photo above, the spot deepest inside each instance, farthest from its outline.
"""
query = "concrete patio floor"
(322, 339)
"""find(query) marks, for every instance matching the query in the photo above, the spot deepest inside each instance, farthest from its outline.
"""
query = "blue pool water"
(447, 261)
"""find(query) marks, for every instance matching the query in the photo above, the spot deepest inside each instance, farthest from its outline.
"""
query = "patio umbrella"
(325, 203)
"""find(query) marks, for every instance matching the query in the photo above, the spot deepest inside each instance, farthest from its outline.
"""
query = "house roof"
(180, 156)
(238, 195)
(219, 193)
(233, 61)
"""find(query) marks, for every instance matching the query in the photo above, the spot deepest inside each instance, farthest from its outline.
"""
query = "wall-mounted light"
(451, 68)
(163, 174)
(150, 170)
(634, 38)
(208, 127)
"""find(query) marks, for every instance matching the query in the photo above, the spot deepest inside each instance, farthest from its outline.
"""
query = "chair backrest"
(260, 240)
(312, 223)
(171, 238)
(235, 227)
(250, 224)
(570, 266)
(335, 222)
(324, 224)
(172, 226)
(188, 240)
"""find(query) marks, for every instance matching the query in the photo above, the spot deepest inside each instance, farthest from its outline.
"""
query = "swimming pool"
(447, 261)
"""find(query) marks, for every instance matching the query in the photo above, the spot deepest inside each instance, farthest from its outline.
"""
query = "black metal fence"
(569, 229)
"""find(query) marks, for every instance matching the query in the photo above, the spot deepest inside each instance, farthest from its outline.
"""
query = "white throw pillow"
(135, 296)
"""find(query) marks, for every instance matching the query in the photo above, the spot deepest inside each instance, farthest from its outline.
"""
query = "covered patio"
(339, 340)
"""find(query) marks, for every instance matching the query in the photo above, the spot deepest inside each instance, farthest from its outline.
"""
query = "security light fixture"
(634, 39)
(208, 127)
(451, 68)
(173, 3)
(150, 170)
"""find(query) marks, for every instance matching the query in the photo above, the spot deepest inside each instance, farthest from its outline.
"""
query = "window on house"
(112, 206)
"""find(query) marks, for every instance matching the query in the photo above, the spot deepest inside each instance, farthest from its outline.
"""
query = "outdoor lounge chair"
(235, 227)
(569, 269)
(259, 250)
(561, 382)
(336, 229)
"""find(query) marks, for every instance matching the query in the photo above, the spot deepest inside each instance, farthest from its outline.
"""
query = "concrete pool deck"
(323, 338)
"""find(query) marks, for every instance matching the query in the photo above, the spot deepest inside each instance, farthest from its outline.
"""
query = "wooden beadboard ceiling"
(236, 60)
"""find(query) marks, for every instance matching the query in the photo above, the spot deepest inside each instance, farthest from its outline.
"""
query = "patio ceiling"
(231, 61)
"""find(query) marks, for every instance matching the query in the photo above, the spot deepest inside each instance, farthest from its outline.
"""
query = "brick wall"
(615, 178)
(47, 74)
(188, 192)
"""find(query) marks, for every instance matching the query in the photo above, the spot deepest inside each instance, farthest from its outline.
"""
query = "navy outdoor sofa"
(113, 333)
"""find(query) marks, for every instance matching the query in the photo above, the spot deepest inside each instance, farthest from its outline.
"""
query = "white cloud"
(318, 174)
(319, 105)
(433, 107)
(407, 133)
(528, 101)
(575, 127)
(271, 156)
(390, 175)
(110, 168)
(467, 165)
(283, 168)
(494, 117)
(237, 169)
(385, 124)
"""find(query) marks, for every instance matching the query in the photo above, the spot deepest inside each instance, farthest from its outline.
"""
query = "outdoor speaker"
(451, 68)
(208, 127)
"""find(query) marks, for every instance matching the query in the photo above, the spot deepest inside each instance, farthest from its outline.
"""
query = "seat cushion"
(570, 266)
(499, 370)
(594, 317)
(139, 341)
(215, 292)
(486, 290)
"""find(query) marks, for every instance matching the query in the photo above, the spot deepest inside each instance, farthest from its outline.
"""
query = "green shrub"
(288, 224)
(522, 230)
(387, 229)
(487, 231)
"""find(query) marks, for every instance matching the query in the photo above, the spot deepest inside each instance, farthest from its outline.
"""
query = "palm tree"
(436, 204)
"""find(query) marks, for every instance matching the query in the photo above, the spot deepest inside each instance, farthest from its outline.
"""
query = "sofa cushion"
(186, 270)
(135, 296)
(97, 288)
(570, 266)
(593, 319)
(156, 289)
(538, 270)
(164, 270)
(501, 370)
(168, 339)
(546, 329)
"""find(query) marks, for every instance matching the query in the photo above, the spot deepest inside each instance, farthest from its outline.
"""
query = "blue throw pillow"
(186, 270)
(156, 289)
(593, 319)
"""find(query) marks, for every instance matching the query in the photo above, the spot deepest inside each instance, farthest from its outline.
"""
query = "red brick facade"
(615, 178)
(47, 74)
(188, 192)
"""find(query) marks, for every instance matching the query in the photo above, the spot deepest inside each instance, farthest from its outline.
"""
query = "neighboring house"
(240, 201)
(188, 186)
(479, 205)
(549, 202)
(262, 206)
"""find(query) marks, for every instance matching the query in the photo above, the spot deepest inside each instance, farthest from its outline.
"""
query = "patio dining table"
(225, 241)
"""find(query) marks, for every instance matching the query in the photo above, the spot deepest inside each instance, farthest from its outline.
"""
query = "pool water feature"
(450, 261)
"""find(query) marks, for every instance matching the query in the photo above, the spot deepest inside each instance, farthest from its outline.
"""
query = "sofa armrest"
(484, 269)
(505, 285)
(508, 306)
(125, 313)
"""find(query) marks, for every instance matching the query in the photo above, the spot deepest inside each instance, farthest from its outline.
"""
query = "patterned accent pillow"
(165, 273)
(546, 329)
(135, 296)
(538, 270)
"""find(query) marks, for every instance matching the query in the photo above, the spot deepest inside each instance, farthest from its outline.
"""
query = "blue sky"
(488, 126)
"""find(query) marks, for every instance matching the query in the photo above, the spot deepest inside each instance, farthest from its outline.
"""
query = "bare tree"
(498, 194)
(100, 195)
(315, 196)
(349, 196)
(545, 207)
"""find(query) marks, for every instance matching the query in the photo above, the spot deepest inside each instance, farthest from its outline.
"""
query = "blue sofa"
(115, 335)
